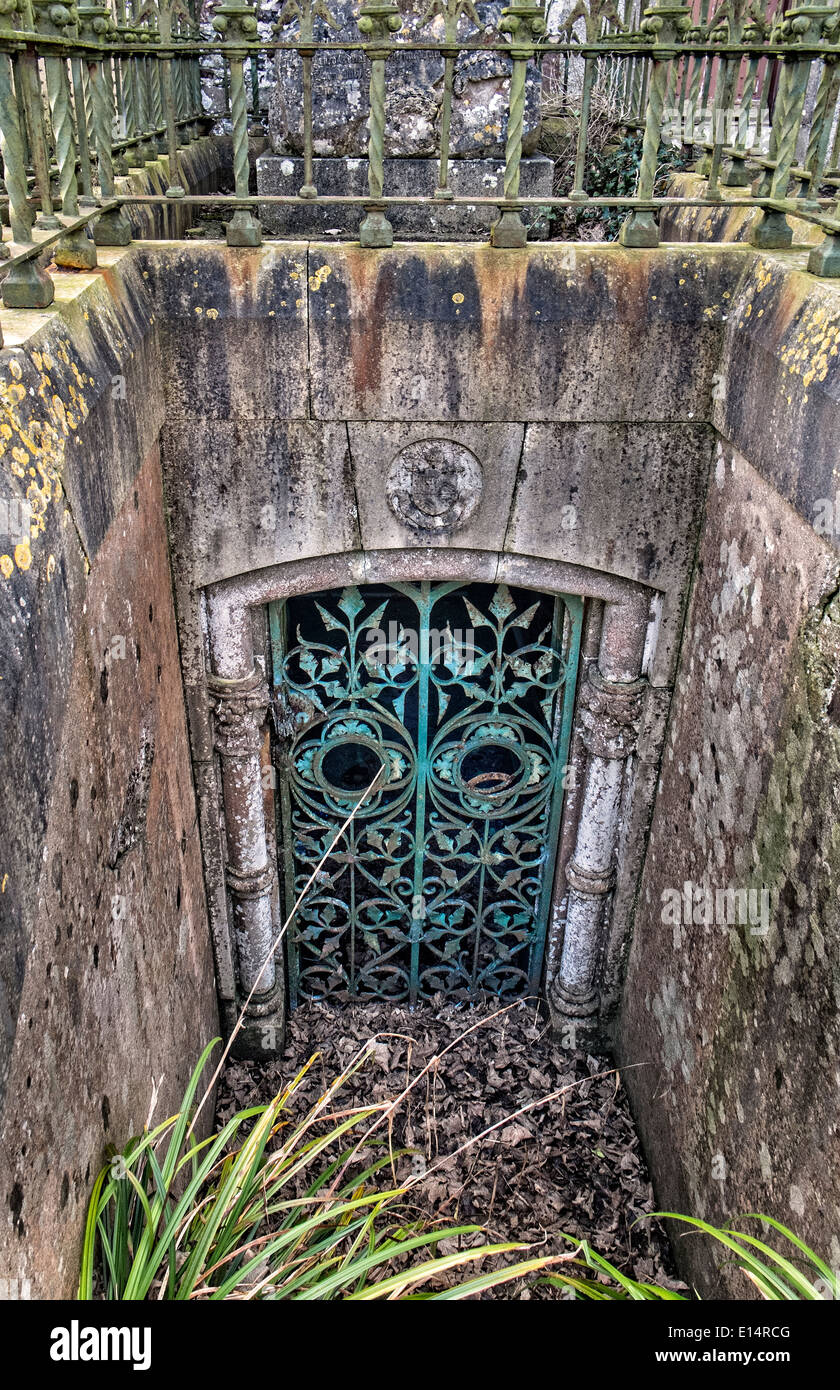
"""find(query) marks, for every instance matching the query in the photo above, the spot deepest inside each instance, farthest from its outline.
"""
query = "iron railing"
(89, 91)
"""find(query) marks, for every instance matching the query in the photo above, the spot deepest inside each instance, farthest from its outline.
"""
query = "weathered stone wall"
(202, 164)
(735, 1023)
(722, 224)
(106, 977)
(414, 91)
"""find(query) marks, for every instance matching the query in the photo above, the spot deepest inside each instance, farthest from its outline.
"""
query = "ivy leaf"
(476, 618)
(334, 688)
(511, 877)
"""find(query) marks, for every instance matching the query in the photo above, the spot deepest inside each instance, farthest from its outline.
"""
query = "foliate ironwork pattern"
(461, 699)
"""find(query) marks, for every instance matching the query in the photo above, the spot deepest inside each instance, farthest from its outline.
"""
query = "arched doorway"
(454, 702)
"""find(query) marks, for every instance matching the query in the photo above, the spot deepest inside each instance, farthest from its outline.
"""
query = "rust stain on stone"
(501, 278)
(372, 275)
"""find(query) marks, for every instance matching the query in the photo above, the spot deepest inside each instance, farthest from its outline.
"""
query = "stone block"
(547, 332)
(404, 178)
(627, 497)
(432, 485)
(414, 90)
(246, 495)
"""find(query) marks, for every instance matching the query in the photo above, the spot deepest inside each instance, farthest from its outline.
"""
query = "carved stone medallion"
(434, 485)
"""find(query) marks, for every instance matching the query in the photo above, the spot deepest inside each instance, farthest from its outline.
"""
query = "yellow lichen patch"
(816, 342)
(50, 568)
(198, 310)
(320, 277)
(212, 313)
(457, 298)
(35, 447)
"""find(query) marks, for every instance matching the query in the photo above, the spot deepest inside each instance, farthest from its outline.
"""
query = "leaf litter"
(571, 1164)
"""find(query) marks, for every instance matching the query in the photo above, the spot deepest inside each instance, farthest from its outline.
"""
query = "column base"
(510, 232)
(375, 231)
(639, 231)
(575, 1019)
(736, 174)
(112, 229)
(263, 1032)
(76, 250)
(243, 229)
(27, 286)
(825, 259)
(772, 232)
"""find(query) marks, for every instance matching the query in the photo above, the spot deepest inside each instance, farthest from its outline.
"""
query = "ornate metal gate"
(460, 698)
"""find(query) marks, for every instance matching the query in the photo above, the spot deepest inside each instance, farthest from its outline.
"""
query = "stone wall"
(735, 1023)
(106, 976)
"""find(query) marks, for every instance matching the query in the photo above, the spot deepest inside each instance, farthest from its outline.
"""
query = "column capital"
(611, 715)
(239, 707)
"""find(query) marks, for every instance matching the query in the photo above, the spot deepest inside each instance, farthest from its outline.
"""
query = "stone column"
(610, 715)
(239, 698)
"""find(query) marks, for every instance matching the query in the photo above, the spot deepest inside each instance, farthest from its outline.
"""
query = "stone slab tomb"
(413, 105)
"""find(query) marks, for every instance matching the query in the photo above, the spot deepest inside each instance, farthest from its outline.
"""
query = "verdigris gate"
(459, 699)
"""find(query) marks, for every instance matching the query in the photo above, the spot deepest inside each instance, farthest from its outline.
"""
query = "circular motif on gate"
(339, 757)
(491, 767)
(434, 485)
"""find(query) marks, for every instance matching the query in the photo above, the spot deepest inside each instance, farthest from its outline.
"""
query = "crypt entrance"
(439, 716)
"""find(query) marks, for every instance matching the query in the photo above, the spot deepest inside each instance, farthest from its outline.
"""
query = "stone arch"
(610, 703)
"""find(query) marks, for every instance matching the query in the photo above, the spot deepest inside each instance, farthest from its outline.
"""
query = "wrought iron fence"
(89, 91)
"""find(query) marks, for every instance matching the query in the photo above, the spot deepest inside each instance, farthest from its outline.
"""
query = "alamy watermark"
(15, 520)
(726, 125)
(702, 905)
(827, 516)
(81, 1343)
(454, 648)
